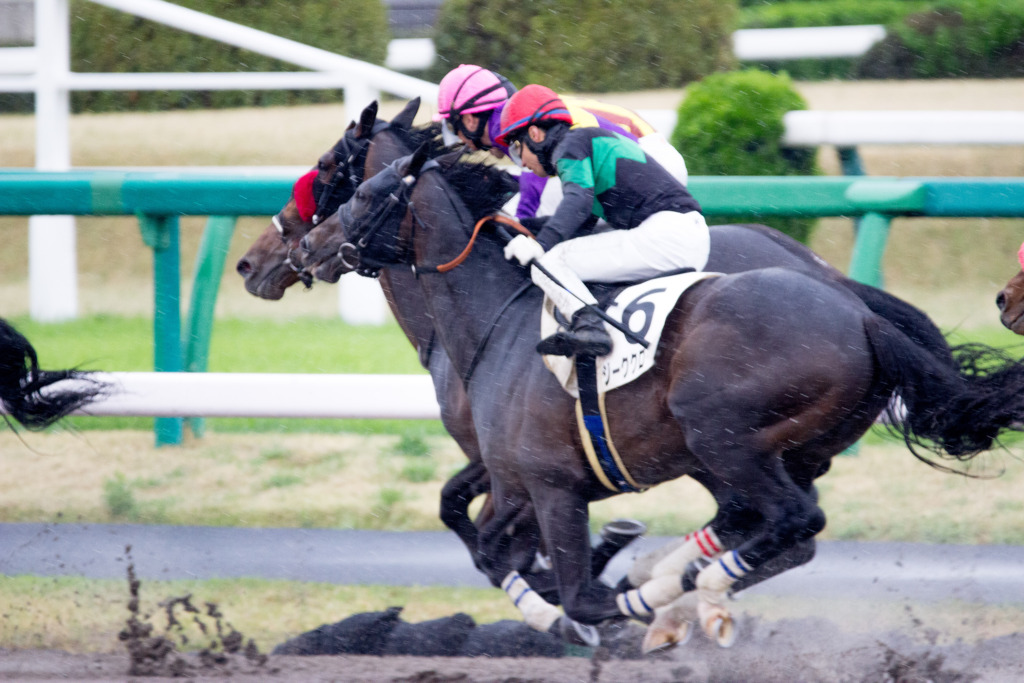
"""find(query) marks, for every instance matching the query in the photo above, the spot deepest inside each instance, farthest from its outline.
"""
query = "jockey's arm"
(572, 214)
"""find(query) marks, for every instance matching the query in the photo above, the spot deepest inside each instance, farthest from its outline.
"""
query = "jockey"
(658, 224)
(469, 104)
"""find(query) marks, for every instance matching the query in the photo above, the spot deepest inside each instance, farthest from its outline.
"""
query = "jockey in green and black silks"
(658, 224)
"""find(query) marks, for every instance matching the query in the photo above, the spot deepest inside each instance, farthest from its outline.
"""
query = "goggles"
(448, 134)
(515, 151)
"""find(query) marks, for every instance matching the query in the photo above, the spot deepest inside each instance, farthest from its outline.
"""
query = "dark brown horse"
(762, 377)
(734, 248)
(27, 392)
(1010, 300)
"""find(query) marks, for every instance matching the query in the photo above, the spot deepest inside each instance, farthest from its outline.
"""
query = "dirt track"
(808, 650)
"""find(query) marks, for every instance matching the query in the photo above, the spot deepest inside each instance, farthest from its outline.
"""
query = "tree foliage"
(588, 45)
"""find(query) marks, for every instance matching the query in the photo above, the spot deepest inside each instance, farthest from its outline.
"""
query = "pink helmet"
(469, 89)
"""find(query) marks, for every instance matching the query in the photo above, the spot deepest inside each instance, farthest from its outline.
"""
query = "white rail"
(852, 128)
(772, 44)
(215, 394)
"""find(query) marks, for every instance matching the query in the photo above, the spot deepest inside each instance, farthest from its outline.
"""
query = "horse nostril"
(244, 267)
(304, 245)
(1001, 300)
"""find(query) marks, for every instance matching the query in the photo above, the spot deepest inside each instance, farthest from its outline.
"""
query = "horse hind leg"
(791, 519)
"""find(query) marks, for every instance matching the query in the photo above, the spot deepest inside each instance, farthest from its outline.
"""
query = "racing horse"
(27, 392)
(761, 378)
(271, 265)
(734, 248)
(1010, 299)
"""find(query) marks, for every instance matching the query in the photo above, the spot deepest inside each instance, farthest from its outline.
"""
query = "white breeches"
(666, 241)
(662, 151)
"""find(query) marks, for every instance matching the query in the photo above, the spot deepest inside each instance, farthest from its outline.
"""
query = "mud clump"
(153, 654)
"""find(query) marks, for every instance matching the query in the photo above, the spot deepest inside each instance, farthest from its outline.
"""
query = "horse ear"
(367, 119)
(448, 160)
(419, 157)
(406, 116)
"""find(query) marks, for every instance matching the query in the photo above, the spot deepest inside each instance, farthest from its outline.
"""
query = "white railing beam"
(277, 47)
(819, 42)
(265, 395)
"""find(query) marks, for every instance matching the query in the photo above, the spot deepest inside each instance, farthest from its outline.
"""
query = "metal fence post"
(213, 251)
(869, 248)
(160, 233)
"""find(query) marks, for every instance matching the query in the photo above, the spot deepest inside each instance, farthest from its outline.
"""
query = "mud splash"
(152, 654)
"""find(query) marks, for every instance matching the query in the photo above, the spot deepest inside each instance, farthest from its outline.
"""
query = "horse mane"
(483, 187)
(412, 138)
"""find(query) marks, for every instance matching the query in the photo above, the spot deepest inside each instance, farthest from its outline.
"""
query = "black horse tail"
(958, 409)
(22, 384)
(909, 319)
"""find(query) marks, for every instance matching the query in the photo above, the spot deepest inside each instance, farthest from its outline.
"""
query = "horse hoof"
(658, 640)
(575, 633)
(723, 631)
(684, 633)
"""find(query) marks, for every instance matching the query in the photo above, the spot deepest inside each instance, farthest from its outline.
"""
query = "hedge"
(588, 45)
(953, 39)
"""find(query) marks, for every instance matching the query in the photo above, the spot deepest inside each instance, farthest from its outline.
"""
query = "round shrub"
(732, 124)
(588, 45)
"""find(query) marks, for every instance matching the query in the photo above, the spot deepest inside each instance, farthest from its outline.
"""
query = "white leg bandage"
(703, 543)
(642, 601)
(537, 612)
(715, 580)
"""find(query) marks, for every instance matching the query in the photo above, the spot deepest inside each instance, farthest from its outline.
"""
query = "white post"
(360, 300)
(53, 281)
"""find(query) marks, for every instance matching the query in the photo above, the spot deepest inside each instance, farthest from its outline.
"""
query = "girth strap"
(592, 421)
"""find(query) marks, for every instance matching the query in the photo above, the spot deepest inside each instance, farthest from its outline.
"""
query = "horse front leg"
(564, 522)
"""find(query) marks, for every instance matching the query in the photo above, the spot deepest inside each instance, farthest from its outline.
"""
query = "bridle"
(366, 229)
(345, 168)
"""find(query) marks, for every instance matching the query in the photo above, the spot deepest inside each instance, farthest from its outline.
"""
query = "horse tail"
(909, 319)
(22, 384)
(958, 410)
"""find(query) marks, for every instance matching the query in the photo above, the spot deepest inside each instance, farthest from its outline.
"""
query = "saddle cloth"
(643, 308)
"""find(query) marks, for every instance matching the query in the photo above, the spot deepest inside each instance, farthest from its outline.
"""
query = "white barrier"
(771, 44)
(227, 394)
(852, 128)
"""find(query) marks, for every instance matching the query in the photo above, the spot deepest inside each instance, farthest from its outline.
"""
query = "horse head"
(275, 262)
(404, 201)
(266, 268)
(1010, 301)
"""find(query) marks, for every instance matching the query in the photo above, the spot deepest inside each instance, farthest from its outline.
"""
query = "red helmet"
(531, 105)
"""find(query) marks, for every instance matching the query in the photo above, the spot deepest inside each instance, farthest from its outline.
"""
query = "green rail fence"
(159, 198)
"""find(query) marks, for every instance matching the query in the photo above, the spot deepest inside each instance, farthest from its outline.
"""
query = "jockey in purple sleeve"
(470, 102)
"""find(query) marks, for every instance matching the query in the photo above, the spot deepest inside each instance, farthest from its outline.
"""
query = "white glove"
(523, 249)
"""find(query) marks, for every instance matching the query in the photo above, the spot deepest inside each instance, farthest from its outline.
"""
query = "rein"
(522, 289)
(458, 260)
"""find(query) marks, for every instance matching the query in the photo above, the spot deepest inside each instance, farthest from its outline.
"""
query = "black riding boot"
(586, 336)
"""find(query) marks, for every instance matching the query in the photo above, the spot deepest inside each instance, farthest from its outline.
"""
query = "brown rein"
(497, 218)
